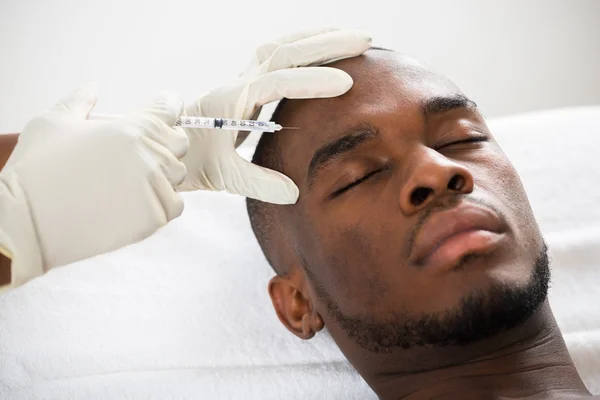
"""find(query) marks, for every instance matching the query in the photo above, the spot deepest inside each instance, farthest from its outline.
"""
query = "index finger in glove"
(251, 180)
(167, 107)
(170, 201)
(314, 50)
(300, 83)
(173, 139)
(173, 169)
(157, 121)
(266, 50)
(77, 104)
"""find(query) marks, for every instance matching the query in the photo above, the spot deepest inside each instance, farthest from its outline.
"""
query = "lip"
(448, 235)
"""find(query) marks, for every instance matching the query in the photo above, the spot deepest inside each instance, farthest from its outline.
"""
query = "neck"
(529, 361)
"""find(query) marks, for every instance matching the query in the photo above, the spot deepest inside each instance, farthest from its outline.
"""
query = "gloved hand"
(212, 161)
(74, 188)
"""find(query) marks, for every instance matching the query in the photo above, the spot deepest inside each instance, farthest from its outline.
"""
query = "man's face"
(411, 221)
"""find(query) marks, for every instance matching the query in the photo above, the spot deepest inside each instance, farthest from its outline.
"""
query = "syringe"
(229, 124)
(215, 123)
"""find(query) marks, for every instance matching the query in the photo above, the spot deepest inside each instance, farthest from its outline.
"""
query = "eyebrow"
(359, 134)
(441, 104)
(350, 139)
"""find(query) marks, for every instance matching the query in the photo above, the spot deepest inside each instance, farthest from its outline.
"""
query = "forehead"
(388, 89)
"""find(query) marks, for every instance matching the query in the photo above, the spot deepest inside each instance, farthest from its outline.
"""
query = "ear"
(293, 305)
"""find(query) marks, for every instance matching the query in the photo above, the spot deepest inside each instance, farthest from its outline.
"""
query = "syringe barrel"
(243, 124)
(196, 122)
(225, 123)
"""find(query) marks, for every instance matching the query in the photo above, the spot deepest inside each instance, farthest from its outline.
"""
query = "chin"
(480, 297)
(477, 273)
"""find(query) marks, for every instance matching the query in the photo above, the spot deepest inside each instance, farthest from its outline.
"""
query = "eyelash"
(473, 139)
(357, 182)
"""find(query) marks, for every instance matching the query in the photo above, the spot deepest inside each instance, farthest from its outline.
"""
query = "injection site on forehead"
(391, 93)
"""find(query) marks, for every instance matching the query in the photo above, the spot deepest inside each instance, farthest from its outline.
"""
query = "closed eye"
(473, 139)
(356, 182)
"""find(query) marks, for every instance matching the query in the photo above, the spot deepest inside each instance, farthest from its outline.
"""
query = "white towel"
(185, 314)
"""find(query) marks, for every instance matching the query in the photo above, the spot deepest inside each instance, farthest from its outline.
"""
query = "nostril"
(419, 195)
(456, 183)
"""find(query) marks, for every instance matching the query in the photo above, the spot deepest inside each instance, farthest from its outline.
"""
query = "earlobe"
(293, 309)
(317, 322)
(307, 331)
(311, 324)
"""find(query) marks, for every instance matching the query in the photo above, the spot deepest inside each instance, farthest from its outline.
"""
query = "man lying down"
(412, 241)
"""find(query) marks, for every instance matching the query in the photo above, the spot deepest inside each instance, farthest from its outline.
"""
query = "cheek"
(504, 185)
(364, 273)
(355, 262)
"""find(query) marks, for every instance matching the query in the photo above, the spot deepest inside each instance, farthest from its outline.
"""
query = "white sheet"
(185, 314)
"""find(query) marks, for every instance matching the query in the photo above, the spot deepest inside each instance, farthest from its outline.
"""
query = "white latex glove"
(212, 161)
(74, 188)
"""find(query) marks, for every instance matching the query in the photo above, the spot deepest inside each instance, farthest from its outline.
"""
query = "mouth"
(448, 236)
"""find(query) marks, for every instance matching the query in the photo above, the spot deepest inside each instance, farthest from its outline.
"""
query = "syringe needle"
(290, 127)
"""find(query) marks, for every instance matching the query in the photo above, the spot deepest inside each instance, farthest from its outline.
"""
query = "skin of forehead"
(384, 82)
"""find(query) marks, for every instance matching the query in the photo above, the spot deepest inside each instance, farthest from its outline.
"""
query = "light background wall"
(510, 55)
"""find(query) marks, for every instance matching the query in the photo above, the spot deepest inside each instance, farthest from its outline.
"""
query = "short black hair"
(264, 217)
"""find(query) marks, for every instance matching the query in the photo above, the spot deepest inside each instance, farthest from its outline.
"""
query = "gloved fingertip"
(338, 81)
(364, 35)
(345, 80)
(88, 90)
(89, 95)
(78, 103)
(178, 174)
(170, 97)
(287, 193)
(170, 102)
(182, 143)
(292, 196)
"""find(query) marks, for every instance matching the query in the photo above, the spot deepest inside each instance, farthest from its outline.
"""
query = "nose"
(433, 175)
